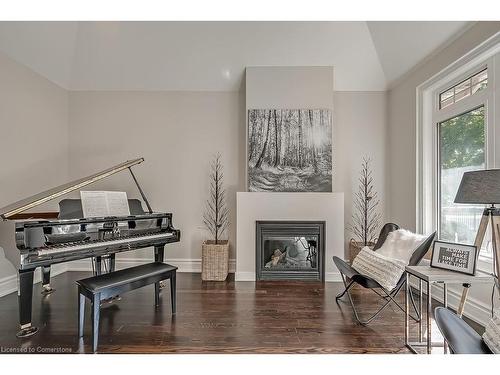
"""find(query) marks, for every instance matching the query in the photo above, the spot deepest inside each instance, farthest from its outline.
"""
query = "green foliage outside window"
(462, 140)
(462, 149)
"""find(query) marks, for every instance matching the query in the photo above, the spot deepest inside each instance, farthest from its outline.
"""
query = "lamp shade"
(479, 187)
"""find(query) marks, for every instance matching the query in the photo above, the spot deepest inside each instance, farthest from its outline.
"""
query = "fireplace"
(290, 250)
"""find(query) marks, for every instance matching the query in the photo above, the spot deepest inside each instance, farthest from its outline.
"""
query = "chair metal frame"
(347, 272)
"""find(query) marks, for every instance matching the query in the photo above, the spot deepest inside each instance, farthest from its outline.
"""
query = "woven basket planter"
(214, 261)
(355, 247)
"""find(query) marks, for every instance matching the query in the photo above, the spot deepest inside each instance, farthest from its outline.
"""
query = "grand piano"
(32, 240)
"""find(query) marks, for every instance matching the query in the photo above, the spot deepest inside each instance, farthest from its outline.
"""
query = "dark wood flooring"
(212, 317)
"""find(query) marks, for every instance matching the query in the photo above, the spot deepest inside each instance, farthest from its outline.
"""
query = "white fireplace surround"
(251, 207)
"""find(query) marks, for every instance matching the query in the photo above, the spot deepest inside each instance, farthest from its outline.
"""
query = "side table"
(432, 276)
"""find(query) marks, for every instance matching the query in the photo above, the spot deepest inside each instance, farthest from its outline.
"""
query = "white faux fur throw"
(387, 264)
(400, 244)
(491, 336)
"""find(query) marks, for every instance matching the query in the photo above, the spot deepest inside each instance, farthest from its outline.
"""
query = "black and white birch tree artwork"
(290, 150)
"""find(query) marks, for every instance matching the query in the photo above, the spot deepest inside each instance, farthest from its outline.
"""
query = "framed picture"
(289, 150)
(454, 257)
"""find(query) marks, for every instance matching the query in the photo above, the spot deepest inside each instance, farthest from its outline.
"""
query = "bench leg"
(157, 294)
(172, 291)
(96, 305)
(81, 313)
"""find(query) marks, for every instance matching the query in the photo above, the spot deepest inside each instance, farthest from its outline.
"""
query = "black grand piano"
(42, 242)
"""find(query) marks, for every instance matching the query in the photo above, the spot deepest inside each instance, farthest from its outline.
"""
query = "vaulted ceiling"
(367, 56)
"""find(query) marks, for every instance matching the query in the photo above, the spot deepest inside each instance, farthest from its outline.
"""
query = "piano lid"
(38, 199)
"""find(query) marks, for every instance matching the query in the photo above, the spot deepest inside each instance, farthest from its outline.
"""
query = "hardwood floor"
(212, 317)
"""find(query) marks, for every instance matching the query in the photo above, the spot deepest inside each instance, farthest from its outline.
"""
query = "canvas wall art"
(290, 150)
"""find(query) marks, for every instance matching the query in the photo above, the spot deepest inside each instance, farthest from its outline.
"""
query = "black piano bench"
(100, 287)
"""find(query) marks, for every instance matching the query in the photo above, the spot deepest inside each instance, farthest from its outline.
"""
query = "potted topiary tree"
(365, 220)
(215, 252)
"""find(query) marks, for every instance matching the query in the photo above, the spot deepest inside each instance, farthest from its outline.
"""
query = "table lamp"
(483, 187)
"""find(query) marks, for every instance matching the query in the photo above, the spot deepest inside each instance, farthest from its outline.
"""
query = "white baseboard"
(184, 265)
(244, 276)
(475, 309)
(333, 277)
(9, 284)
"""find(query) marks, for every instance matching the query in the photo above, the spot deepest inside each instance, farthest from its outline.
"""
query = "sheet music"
(117, 203)
(94, 203)
(104, 203)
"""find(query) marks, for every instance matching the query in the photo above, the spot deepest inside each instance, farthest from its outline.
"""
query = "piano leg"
(98, 266)
(159, 251)
(46, 288)
(112, 263)
(24, 296)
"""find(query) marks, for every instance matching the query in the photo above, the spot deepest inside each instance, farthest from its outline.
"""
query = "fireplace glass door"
(290, 250)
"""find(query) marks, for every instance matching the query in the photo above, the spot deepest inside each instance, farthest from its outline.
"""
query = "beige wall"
(288, 87)
(177, 132)
(65, 135)
(33, 139)
(402, 147)
(359, 130)
(402, 123)
(49, 135)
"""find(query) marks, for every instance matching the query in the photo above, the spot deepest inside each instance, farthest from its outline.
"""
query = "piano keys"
(40, 243)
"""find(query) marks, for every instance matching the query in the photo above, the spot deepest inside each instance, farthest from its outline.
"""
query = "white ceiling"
(402, 45)
(367, 56)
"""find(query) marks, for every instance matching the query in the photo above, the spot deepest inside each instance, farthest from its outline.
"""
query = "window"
(457, 121)
(461, 149)
(468, 87)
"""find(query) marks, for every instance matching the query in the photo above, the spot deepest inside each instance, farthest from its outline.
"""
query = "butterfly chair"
(461, 338)
(350, 276)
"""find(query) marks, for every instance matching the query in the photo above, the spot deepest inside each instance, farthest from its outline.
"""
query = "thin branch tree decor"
(216, 216)
(366, 217)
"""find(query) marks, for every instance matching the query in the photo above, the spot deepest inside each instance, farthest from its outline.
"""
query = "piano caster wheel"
(27, 332)
(46, 291)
